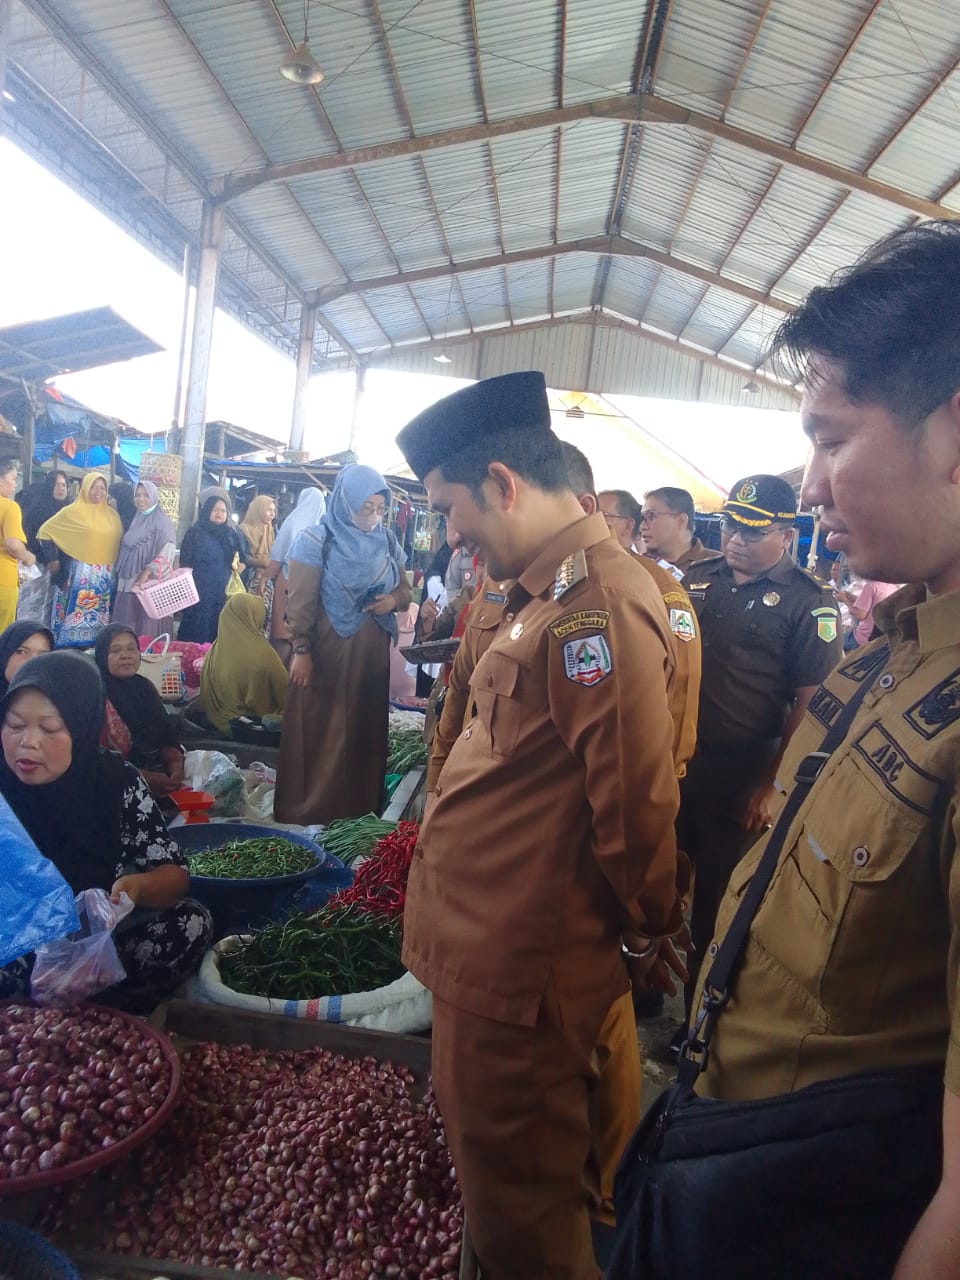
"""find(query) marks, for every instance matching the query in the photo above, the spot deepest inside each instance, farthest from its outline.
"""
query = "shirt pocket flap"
(495, 673)
(864, 836)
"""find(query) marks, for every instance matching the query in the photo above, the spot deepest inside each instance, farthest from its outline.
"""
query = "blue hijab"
(351, 561)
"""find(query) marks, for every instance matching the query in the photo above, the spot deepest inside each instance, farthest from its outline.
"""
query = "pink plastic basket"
(168, 595)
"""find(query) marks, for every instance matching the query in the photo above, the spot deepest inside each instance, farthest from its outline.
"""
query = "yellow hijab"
(259, 533)
(86, 531)
(241, 675)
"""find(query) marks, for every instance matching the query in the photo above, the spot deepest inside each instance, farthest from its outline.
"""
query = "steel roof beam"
(598, 319)
(611, 246)
(629, 107)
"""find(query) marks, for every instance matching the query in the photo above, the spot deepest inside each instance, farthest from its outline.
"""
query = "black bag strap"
(695, 1051)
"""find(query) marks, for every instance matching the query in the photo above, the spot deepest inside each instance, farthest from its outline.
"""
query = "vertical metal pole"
(184, 323)
(308, 328)
(357, 402)
(29, 431)
(211, 236)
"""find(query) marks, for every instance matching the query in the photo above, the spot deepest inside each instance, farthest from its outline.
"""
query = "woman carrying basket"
(146, 551)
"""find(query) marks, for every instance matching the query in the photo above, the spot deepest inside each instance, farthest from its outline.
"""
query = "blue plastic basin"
(240, 905)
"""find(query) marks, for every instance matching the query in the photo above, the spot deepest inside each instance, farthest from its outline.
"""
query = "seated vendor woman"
(243, 682)
(136, 724)
(92, 815)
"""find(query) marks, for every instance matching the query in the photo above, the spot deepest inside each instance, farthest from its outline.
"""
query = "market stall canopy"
(42, 349)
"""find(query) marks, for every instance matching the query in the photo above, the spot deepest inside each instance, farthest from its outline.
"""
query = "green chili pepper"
(252, 859)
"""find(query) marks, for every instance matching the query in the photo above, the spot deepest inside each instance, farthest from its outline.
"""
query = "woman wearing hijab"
(41, 501)
(82, 543)
(136, 724)
(209, 548)
(146, 550)
(20, 642)
(121, 498)
(258, 532)
(241, 676)
(92, 815)
(346, 584)
(309, 511)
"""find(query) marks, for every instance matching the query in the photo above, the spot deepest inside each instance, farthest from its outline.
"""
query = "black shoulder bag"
(825, 1183)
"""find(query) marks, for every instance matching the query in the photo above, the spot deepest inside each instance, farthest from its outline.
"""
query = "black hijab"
(12, 638)
(37, 504)
(74, 821)
(227, 533)
(137, 703)
(123, 493)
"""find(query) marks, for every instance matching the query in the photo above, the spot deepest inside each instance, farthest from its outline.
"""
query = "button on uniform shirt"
(853, 958)
(761, 642)
(552, 828)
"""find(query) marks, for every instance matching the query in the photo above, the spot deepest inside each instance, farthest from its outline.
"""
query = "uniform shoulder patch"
(682, 625)
(587, 660)
(582, 620)
(826, 619)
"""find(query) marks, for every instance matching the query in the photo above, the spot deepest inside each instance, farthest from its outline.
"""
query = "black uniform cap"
(514, 402)
(759, 501)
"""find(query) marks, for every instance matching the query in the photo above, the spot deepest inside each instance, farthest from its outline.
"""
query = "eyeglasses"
(368, 509)
(614, 515)
(731, 527)
(648, 517)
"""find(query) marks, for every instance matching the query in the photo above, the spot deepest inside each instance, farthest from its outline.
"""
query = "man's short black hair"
(627, 506)
(537, 457)
(891, 322)
(579, 470)
(677, 500)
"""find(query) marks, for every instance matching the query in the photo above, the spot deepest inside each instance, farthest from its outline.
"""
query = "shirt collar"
(933, 622)
(580, 535)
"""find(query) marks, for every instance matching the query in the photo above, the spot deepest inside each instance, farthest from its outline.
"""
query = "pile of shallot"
(302, 1163)
(71, 1084)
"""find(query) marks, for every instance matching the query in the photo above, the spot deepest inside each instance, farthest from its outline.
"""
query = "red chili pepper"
(381, 881)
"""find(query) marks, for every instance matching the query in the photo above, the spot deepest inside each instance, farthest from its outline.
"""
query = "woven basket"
(168, 595)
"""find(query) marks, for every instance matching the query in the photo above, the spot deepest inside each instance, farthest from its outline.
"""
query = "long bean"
(340, 950)
(353, 838)
(405, 749)
(252, 859)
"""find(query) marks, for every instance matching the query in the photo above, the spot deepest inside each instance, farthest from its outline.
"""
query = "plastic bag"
(85, 963)
(36, 903)
(218, 774)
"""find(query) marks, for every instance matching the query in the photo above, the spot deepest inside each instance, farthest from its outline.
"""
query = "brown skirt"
(333, 751)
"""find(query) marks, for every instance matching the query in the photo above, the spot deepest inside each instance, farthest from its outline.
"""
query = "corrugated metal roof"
(168, 98)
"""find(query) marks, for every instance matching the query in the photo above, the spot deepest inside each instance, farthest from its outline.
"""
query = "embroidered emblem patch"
(826, 623)
(584, 620)
(747, 492)
(587, 660)
(825, 707)
(865, 666)
(937, 709)
(682, 625)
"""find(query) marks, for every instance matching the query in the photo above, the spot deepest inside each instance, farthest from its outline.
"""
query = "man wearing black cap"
(770, 633)
(549, 846)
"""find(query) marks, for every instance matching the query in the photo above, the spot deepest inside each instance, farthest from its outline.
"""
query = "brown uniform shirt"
(696, 553)
(854, 956)
(762, 640)
(552, 829)
(685, 691)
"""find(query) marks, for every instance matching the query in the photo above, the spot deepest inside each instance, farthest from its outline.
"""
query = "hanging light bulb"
(300, 66)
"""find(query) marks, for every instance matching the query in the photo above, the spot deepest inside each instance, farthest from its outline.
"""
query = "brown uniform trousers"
(514, 919)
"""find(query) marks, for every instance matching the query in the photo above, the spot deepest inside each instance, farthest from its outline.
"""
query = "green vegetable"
(405, 749)
(340, 950)
(252, 859)
(352, 838)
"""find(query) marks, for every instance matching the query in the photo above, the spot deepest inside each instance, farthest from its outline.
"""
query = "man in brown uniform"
(550, 844)
(668, 525)
(853, 959)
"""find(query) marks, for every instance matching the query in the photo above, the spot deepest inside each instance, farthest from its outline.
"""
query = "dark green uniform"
(762, 641)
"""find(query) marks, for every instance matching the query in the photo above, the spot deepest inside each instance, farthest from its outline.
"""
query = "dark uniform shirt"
(762, 641)
(853, 959)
